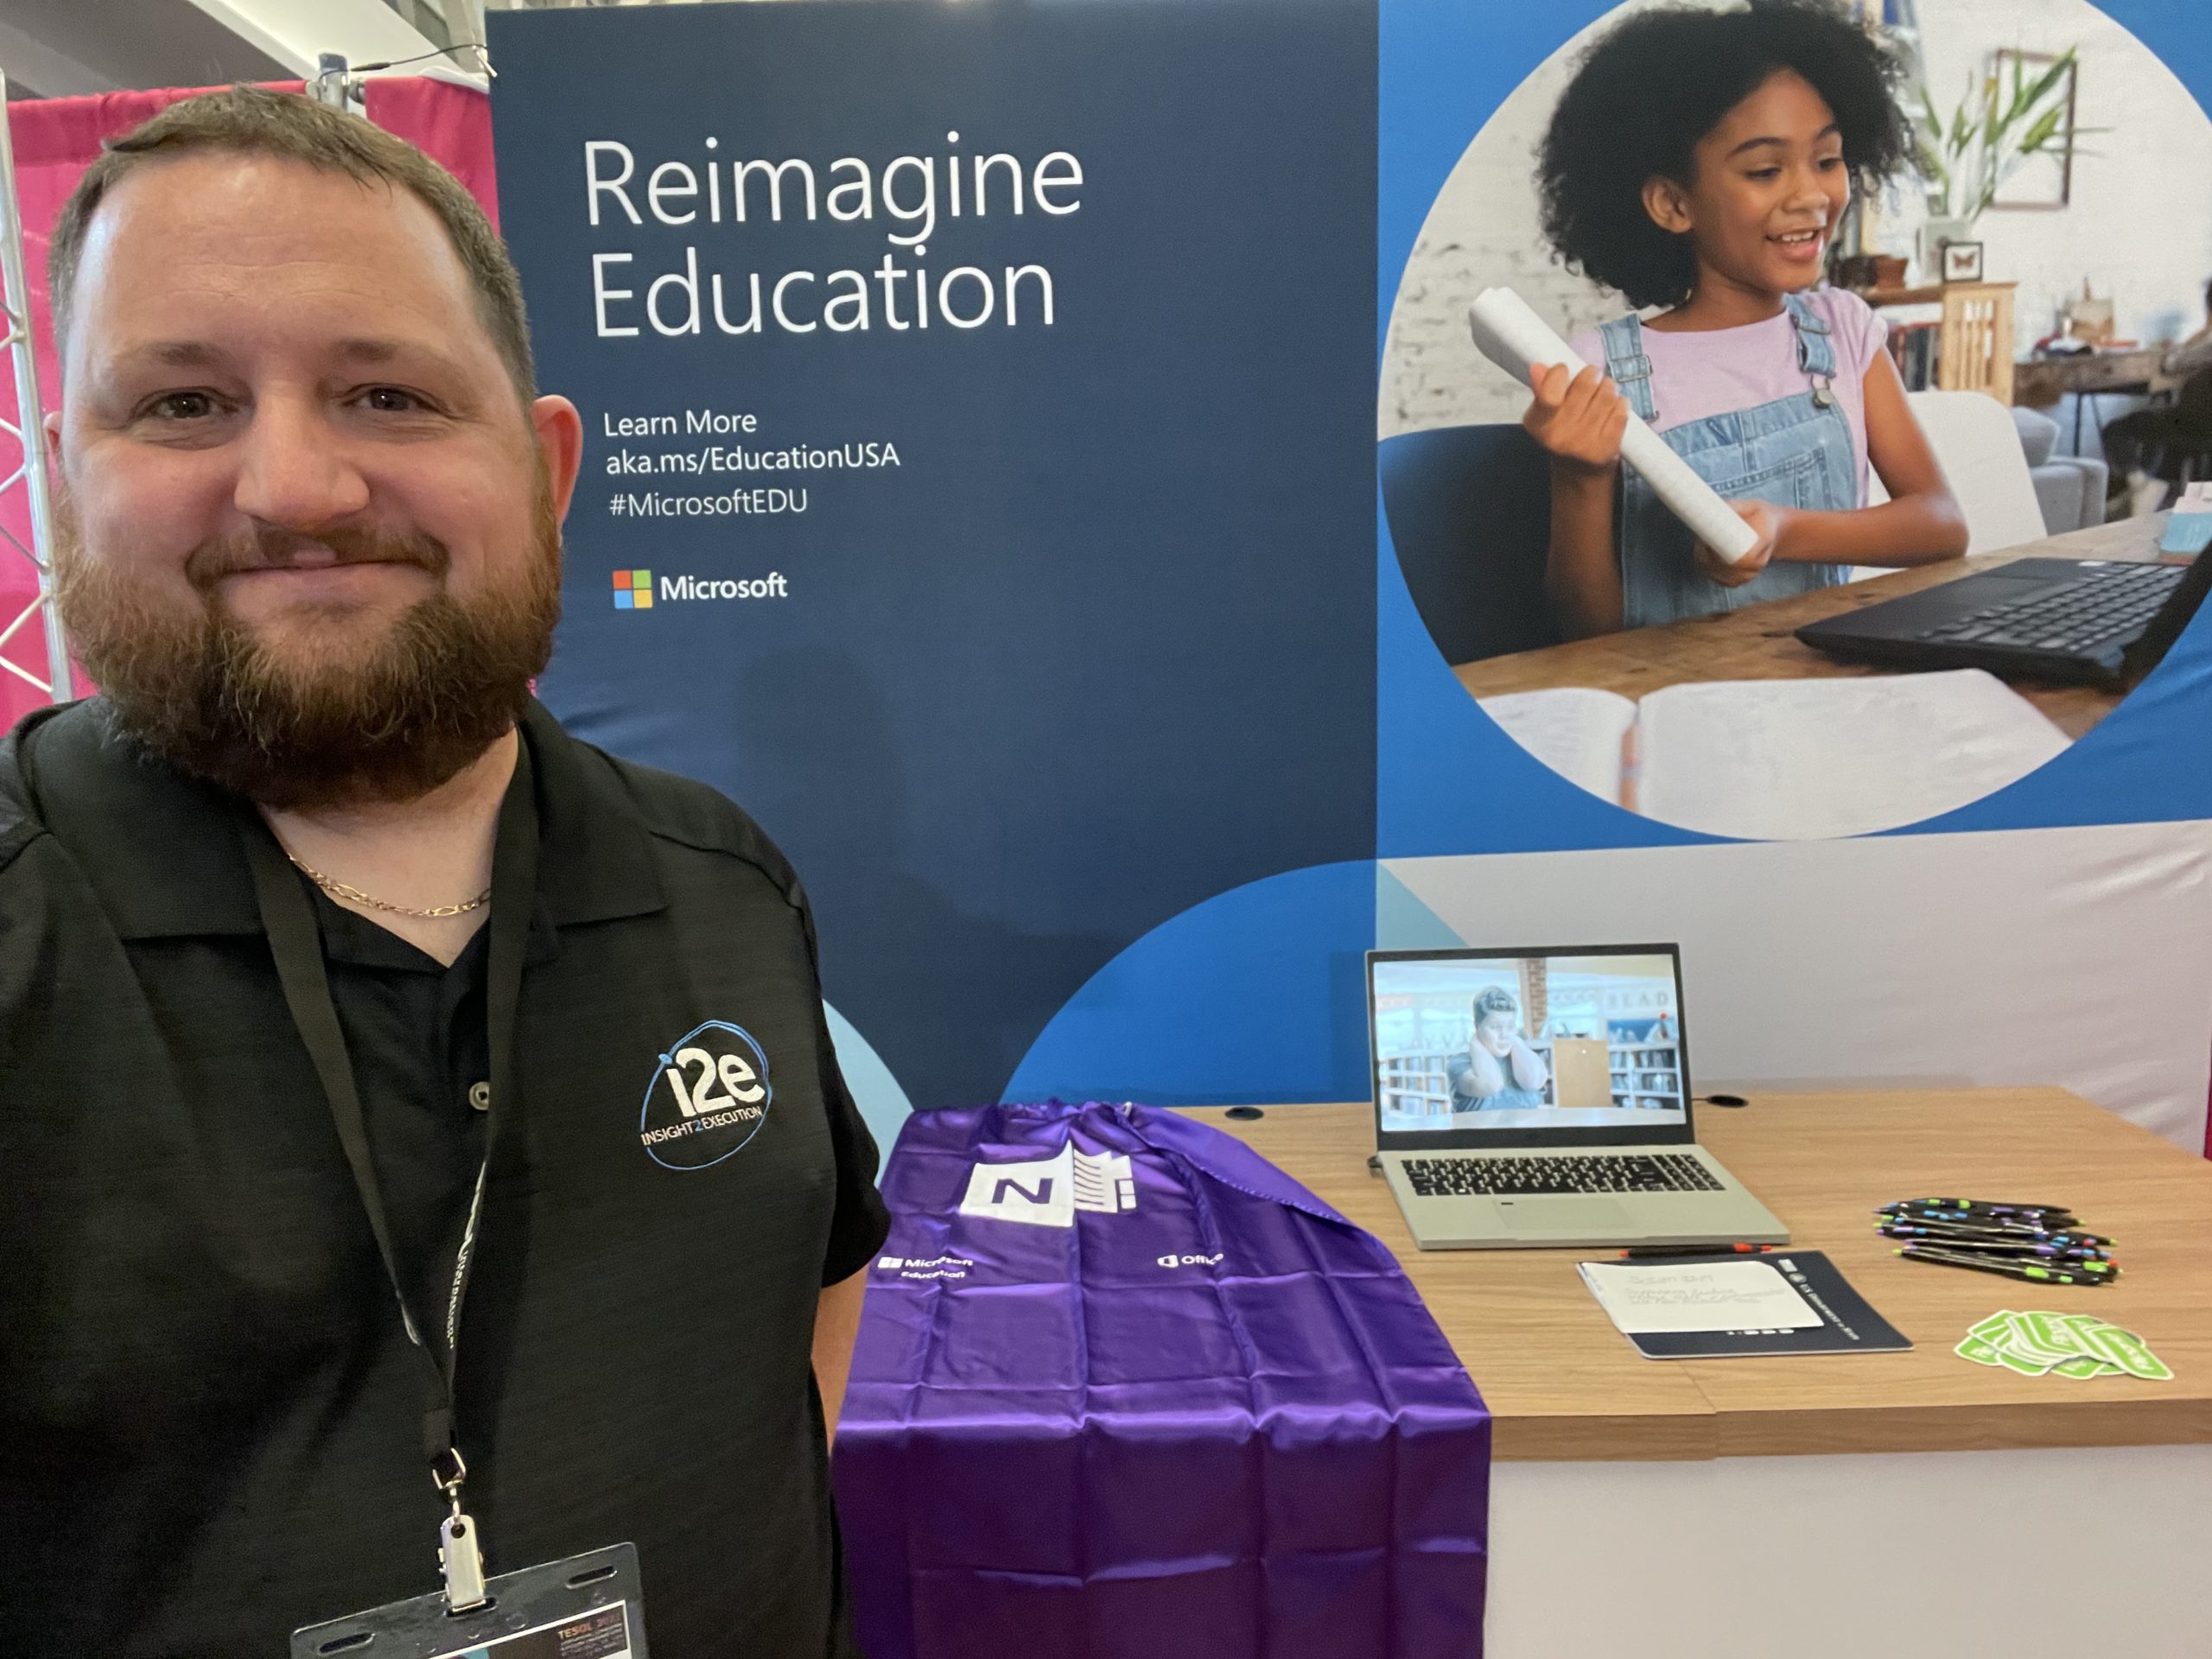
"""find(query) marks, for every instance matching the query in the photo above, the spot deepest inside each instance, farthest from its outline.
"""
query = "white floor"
(2089, 1551)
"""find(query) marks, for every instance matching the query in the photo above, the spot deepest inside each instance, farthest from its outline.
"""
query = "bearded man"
(422, 1138)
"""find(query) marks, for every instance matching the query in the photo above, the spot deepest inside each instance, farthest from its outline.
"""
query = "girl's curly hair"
(1649, 89)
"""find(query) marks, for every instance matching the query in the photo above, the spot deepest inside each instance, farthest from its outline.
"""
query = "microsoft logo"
(633, 589)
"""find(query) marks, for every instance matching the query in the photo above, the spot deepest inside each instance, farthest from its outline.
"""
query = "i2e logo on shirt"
(710, 1095)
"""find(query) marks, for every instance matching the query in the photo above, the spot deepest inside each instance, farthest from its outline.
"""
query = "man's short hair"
(255, 121)
(1494, 1000)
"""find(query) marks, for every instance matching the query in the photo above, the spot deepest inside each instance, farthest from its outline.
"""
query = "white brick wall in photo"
(2138, 227)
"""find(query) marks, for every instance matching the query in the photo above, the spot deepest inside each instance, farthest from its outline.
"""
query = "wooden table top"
(2039, 382)
(1759, 642)
(1561, 1383)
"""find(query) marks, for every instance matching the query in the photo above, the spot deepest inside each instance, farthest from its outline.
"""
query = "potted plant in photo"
(2001, 123)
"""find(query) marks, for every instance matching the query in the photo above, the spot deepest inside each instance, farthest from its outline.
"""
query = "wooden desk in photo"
(2042, 382)
(1759, 642)
(2055, 1511)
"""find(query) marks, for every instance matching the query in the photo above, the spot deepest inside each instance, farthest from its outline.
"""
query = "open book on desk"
(1788, 759)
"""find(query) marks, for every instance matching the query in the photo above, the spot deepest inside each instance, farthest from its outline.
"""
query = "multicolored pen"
(2099, 1273)
(2010, 1247)
(1994, 1234)
(1988, 1205)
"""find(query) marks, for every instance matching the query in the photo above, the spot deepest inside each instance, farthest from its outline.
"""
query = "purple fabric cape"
(1217, 1423)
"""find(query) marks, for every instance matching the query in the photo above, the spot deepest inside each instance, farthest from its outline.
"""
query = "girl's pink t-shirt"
(1696, 375)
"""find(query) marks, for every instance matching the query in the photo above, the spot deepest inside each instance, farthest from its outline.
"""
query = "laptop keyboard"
(2104, 604)
(1558, 1172)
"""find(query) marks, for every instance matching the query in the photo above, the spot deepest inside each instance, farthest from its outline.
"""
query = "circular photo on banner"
(1787, 410)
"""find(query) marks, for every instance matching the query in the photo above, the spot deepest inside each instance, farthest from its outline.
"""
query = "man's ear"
(559, 432)
(1667, 203)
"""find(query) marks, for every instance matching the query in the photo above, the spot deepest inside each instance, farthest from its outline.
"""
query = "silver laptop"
(1536, 1097)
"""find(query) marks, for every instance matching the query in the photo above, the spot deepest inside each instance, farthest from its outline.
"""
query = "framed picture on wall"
(1963, 262)
(2044, 179)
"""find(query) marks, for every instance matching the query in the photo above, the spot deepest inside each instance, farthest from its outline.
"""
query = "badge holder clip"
(460, 1548)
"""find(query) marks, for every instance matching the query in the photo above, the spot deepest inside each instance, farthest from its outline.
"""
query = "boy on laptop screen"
(1543, 1097)
(1527, 1041)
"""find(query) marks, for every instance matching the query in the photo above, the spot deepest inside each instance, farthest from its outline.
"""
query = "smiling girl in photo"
(1700, 162)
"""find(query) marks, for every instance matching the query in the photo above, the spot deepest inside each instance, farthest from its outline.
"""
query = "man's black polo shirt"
(210, 1424)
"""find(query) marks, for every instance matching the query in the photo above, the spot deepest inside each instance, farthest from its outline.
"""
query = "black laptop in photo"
(2103, 621)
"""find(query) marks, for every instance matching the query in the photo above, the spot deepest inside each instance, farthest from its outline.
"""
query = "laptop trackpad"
(1565, 1214)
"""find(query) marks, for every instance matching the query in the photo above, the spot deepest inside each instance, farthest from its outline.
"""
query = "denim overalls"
(1795, 452)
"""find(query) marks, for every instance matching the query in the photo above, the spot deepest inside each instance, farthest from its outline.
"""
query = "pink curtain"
(453, 123)
(55, 140)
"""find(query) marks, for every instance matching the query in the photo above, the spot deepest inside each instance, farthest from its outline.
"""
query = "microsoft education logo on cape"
(1049, 1191)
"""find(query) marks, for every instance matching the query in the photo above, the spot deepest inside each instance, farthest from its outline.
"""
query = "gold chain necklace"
(353, 895)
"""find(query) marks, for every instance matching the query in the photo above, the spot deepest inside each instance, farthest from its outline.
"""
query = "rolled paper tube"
(1512, 336)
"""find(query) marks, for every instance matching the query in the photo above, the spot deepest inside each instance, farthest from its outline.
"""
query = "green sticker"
(1982, 1353)
(2087, 1365)
(2095, 1341)
(2077, 1345)
(2022, 1337)
(2085, 1327)
(2126, 1350)
(2050, 1332)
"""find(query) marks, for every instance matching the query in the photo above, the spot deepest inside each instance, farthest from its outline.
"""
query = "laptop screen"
(1472, 1044)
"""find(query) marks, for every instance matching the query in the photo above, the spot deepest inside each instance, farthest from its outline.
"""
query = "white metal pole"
(465, 21)
(30, 411)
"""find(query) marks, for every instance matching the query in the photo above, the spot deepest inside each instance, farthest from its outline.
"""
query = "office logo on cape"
(1050, 1191)
(708, 1096)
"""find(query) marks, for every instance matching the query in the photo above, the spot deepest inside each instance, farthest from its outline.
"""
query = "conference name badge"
(707, 1096)
(589, 1606)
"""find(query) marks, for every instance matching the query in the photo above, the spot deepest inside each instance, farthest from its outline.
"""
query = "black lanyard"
(296, 942)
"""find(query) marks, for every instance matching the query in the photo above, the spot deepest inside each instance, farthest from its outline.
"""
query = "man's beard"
(195, 688)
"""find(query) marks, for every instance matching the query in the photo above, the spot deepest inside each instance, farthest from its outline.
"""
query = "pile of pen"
(2042, 1241)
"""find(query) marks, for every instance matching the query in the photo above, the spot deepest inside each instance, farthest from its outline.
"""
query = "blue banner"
(1038, 465)
(978, 465)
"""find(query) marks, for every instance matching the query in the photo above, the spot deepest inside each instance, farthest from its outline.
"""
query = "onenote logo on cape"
(1049, 1191)
(710, 1095)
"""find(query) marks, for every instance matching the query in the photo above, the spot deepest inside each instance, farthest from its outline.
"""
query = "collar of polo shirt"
(162, 849)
